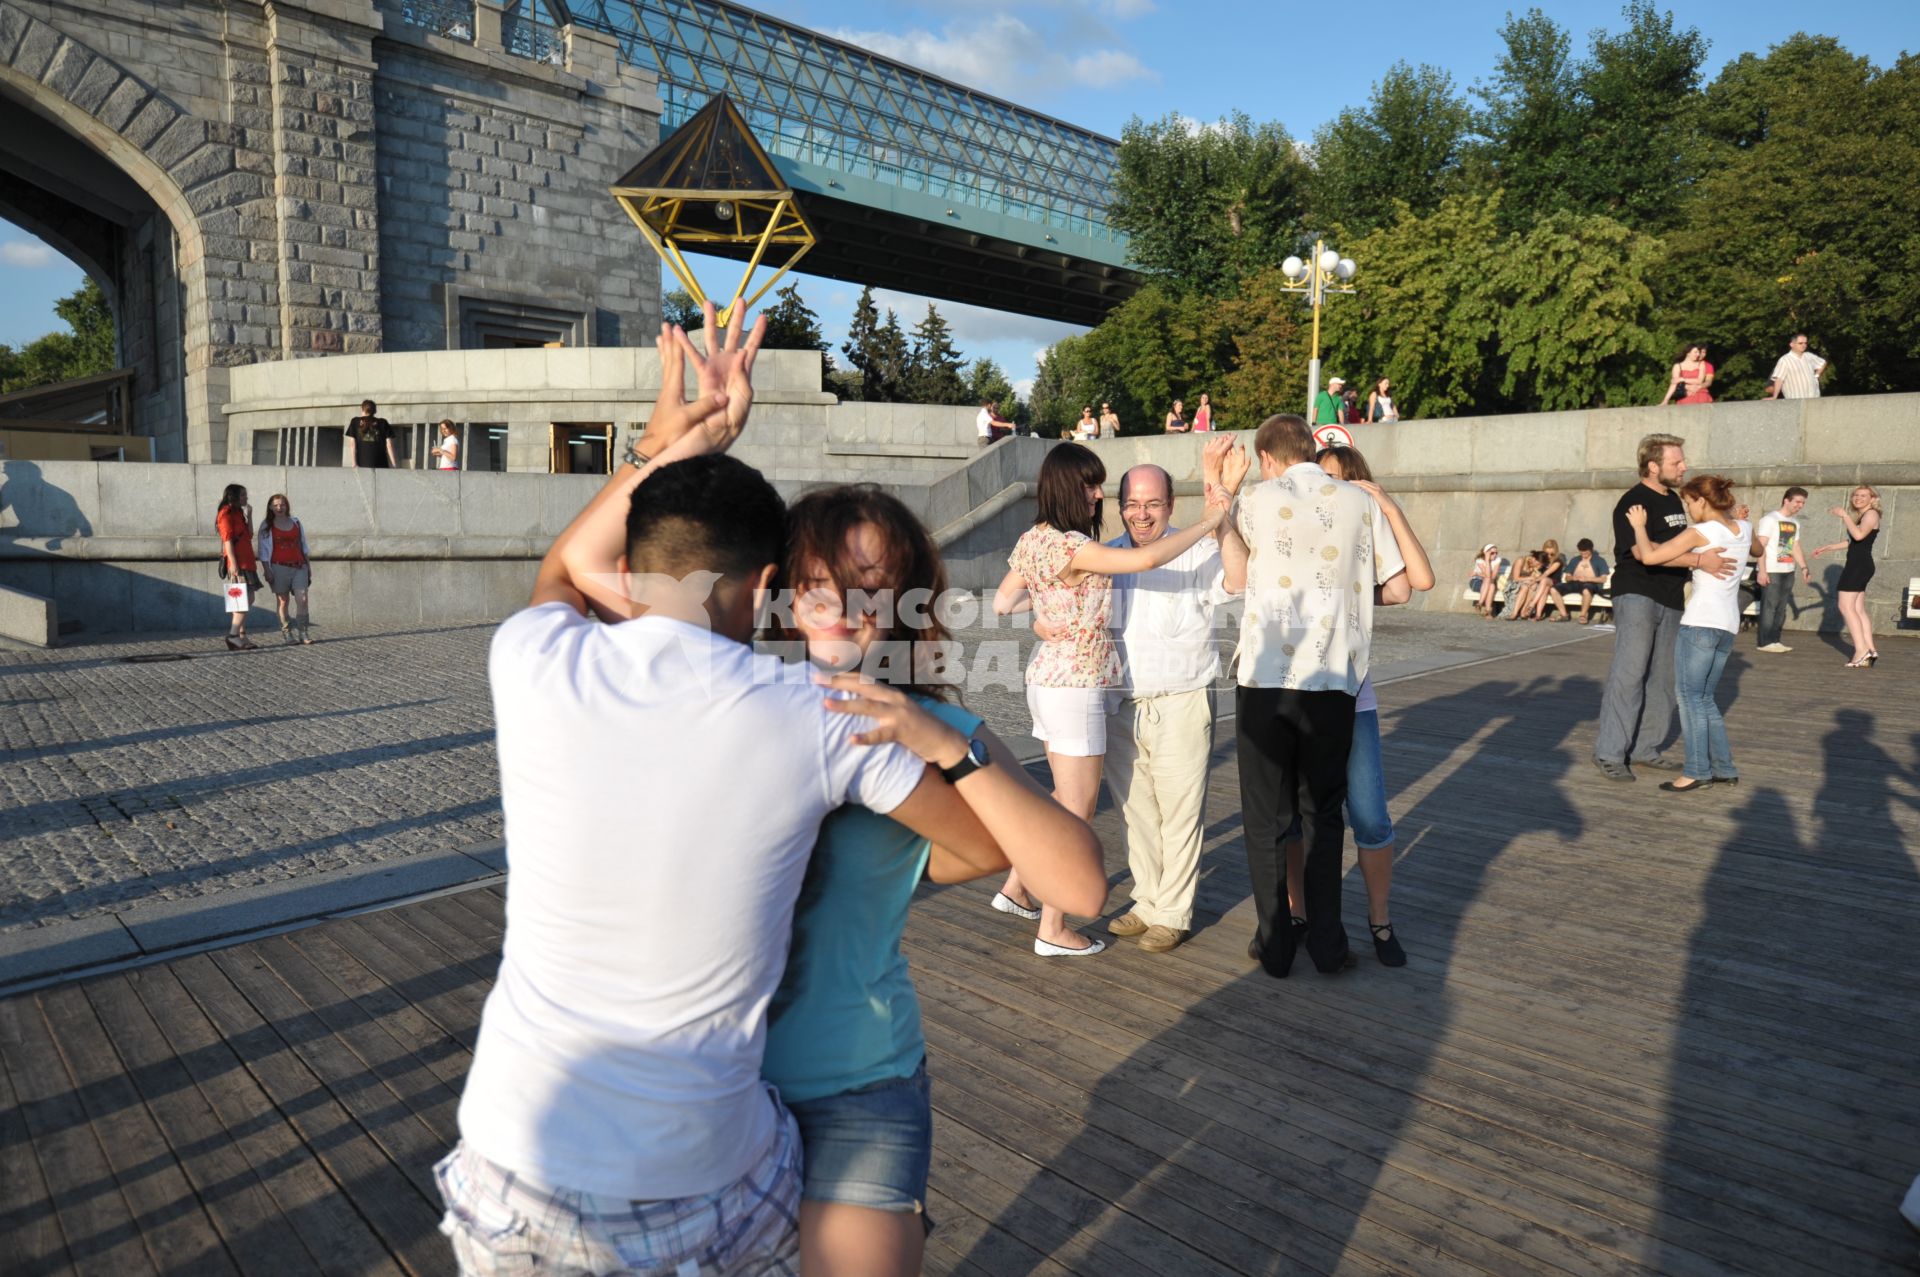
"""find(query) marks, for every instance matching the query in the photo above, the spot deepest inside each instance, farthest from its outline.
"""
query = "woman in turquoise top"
(844, 1044)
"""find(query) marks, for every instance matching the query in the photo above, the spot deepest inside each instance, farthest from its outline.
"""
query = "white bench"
(1913, 599)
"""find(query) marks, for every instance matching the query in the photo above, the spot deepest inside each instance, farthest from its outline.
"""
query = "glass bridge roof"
(818, 100)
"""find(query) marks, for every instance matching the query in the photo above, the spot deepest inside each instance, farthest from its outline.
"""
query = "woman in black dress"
(1861, 515)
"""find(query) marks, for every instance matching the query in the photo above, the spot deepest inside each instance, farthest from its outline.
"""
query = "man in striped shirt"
(1797, 375)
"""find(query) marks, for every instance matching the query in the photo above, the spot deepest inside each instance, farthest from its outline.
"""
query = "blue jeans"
(1699, 659)
(1366, 805)
(870, 1147)
(1775, 599)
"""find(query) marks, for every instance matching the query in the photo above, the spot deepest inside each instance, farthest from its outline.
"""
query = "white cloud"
(1024, 388)
(29, 255)
(1002, 54)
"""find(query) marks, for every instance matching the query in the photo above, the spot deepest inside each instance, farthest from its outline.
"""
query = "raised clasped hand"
(1223, 463)
(724, 375)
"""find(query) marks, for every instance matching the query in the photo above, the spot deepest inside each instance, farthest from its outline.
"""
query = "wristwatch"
(635, 457)
(977, 757)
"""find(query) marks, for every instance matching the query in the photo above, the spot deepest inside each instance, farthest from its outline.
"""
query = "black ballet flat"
(1674, 788)
(1387, 946)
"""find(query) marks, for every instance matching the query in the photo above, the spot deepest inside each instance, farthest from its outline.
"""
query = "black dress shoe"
(1345, 962)
(1387, 946)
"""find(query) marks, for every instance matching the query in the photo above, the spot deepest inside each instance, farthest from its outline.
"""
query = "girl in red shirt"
(283, 551)
(233, 522)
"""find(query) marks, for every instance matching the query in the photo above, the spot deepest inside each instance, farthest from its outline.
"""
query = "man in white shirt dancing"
(1160, 727)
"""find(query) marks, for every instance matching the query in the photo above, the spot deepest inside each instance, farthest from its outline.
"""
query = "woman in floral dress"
(1061, 563)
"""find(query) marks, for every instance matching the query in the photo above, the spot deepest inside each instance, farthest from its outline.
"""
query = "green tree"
(679, 307)
(876, 352)
(792, 325)
(1638, 93)
(1804, 220)
(1576, 315)
(1061, 387)
(1203, 204)
(985, 382)
(1406, 144)
(1268, 329)
(86, 348)
(933, 366)
(1529, 120)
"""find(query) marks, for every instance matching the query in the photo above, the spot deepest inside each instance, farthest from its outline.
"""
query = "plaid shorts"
(501, 1226)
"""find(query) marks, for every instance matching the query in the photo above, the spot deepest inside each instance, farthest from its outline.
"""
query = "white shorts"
(1071, 720)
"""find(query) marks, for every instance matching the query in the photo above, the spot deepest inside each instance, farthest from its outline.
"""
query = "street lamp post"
(1324, 273)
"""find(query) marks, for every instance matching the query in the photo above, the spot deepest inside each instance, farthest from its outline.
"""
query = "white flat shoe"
(1004, 903)
(1046, 950)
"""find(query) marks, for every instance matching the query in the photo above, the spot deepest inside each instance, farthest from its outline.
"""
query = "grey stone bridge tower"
(255, 180)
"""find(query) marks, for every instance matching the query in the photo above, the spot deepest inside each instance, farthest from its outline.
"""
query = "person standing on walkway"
(845, 1045)
(1068, 575)
(233, 522)
(1176, 423)
(614, 1117)
(1380, 403)
(283, 549)
(446, 453)
(1327, 404)
(1086, 430)
(1777, 544)
(1707, 626)
(1797, 374)
(1366, 804)
(1109, 422)
(1861, 515)
(370, 440)
(1160, 723)
(1636, 708)
(1203, 415)
(1314, 555)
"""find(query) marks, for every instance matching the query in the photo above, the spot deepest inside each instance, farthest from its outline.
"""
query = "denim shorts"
(1366, 788)
(869, 1147)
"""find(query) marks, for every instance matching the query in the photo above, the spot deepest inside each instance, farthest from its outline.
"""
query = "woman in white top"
(1086, 428)
(1380, 403)
(1707, 627)
(447, 451)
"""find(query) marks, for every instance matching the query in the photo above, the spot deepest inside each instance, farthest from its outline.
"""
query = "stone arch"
(188, 167)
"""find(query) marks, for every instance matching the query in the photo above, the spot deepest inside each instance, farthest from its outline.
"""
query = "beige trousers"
(1157, 753)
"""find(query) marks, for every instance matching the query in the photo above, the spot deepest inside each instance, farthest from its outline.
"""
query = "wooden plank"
(433, 1047)
(30, 1239)
(257, 1237)
(101, 1233)
(310, 1201)
(282, 1038)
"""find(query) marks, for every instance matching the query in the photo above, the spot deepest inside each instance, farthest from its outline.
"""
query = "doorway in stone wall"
(575, 447)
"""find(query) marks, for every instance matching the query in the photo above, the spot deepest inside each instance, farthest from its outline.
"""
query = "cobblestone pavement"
(145, 769)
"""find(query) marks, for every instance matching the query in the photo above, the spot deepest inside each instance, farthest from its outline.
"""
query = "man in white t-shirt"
(1796, 374)
(1160, 726)
(614, 1117)
(1315, 554)
(1776, 543)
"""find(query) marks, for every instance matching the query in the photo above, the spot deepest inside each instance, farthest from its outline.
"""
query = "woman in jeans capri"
(1366, 779)
(1707, 627)
(844, 1042)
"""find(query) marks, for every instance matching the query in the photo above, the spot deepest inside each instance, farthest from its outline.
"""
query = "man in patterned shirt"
(1315, 555)
(1796, 374)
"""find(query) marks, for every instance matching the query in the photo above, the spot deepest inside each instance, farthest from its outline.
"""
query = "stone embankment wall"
(131, 547)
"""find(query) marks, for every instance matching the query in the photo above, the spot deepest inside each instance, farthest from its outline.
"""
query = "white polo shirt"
(1163, 620)
(983, 423)
(663, 788)
(1316, 548)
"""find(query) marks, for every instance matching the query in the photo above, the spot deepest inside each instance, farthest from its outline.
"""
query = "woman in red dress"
(1693, 374)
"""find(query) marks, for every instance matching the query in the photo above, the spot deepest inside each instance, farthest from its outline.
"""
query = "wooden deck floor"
(1639, 1034)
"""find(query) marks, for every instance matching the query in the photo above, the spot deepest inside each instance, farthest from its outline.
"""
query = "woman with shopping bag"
(233, 521)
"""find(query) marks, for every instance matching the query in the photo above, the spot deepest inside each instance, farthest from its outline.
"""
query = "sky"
(1098, 63)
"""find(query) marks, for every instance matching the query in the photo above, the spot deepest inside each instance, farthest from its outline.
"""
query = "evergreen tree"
(985, 382)
(887, 383)
(792, 325)
(863, 349)
(933, 367)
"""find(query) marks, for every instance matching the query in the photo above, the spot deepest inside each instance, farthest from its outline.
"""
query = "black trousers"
(1293, 750)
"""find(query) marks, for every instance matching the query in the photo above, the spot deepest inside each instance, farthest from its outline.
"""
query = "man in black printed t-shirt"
(1636, 709)
(372, 440)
